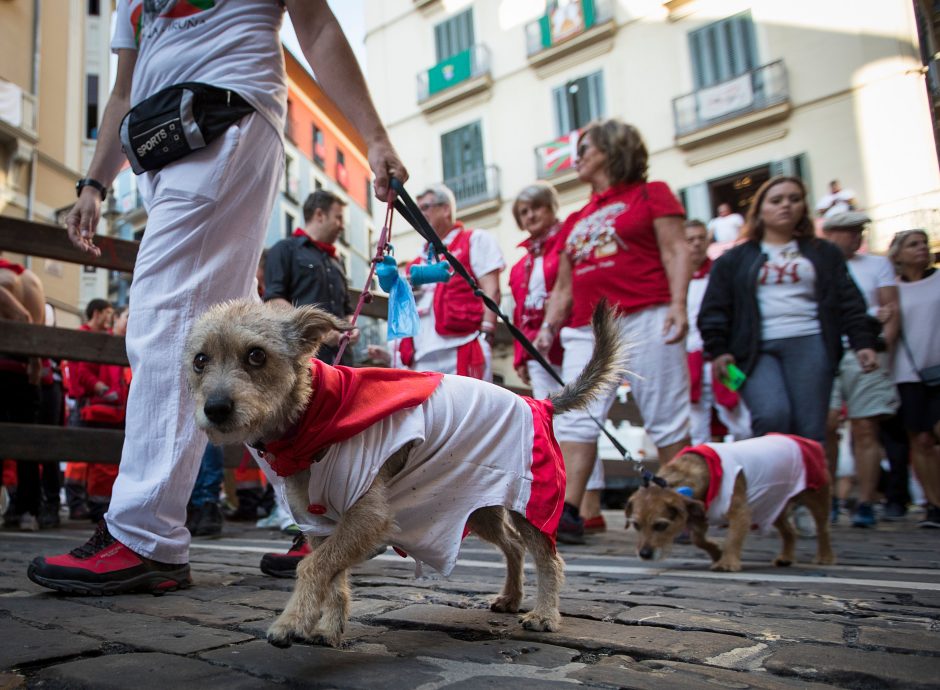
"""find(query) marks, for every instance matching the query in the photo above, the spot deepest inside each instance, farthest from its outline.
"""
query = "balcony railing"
(750, 92)
(465, 65)
(556, 156)
(17, 108)
(475, 187)
(564, 23)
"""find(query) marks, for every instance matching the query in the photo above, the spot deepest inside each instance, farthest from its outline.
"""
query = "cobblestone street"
(872, 621)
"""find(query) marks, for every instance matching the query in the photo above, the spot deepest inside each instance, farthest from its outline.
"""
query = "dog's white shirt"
(775, 472)
(474, 444)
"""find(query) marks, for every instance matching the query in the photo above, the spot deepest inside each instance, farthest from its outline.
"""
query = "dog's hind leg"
(819, 503)
(490, 524)
(788, 537)
(551, 576)
(321, 576)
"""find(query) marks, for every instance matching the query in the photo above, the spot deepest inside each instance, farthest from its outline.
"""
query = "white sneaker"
(803, 522)
(278, 519)
(29, 523)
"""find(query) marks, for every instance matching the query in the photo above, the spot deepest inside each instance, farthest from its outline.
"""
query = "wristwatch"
(90, 182)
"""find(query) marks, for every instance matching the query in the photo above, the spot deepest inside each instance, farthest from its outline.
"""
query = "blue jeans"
(788, 390)
(208, 487)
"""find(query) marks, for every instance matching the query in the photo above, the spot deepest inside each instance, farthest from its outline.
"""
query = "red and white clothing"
(476, 445)
(776, 467)
(614, 252)
(451, 342)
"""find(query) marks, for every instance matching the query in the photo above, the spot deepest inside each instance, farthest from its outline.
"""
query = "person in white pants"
(207, 214)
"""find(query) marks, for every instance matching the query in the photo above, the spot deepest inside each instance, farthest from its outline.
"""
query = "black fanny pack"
(176, 121)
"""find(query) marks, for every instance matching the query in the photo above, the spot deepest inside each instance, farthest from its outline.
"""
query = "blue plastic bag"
(402, 311)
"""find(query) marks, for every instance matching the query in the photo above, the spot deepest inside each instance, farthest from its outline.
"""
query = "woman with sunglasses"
(777, 306)
(626, 246)
(919, 349)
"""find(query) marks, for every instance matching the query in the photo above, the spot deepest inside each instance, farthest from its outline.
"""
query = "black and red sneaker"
(285, 564)
(103, 565)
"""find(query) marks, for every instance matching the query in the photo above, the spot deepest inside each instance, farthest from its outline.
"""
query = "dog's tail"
(603, 371)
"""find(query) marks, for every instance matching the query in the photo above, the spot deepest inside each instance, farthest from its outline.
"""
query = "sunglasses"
(428, 205)
(582, 149)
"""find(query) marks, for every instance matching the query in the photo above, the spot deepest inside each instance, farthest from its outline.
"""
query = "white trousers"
(737, 421)
(445, 361)
(208, 215)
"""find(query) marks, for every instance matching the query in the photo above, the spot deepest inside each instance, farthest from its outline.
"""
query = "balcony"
(458, 77)
(554, 160)
(753, 98)
(477, 192)
(17, 115)
(569, 29)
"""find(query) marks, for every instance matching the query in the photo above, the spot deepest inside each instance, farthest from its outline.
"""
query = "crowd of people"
(773, 302)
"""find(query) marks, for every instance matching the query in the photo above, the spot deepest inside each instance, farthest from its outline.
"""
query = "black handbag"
(176, 121)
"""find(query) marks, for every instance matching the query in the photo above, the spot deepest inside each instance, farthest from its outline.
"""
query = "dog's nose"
(218, 408)
(646, 553)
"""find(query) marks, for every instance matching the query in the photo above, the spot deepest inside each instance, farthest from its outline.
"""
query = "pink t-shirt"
(614, 252)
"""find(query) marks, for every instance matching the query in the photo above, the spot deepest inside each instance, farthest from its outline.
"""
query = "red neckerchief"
(533, 249)
(324, 247)
(713, 462)
(703, 269)
(10, 266)
(345, 402)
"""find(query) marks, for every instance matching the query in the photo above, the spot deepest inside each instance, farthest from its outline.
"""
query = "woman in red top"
(627, 245)
(531, 280)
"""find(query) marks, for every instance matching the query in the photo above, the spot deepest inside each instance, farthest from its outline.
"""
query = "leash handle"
(366, 294)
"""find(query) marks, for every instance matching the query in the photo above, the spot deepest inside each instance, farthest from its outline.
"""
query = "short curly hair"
(539, 195)
(627, 156)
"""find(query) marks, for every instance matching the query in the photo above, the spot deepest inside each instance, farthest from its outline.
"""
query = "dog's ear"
(696, 512)
(308, 325)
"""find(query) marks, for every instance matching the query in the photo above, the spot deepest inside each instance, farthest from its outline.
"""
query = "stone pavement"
(872, 621)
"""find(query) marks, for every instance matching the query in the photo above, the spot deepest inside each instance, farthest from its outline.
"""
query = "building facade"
(54, 81)
(489, 96)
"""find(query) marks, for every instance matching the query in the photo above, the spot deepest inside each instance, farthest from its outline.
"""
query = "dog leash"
(366, 295)
(416, 219)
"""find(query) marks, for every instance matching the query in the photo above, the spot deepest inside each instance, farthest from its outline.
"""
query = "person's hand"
(11, 309)
(385, 164)
(720, 365)
(677, 323)
(380, 355)
(354, 336)
(544, 339)
(867, 359)
(522, 371)
(110, 396)
(83, 219)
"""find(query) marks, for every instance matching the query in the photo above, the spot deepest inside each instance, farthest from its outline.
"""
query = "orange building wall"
(310, 106)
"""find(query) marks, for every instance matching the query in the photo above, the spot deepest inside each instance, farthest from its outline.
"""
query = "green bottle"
(734, 379)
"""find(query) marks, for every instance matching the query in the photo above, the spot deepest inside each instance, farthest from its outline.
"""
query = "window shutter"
(453, 35)
(697, 202)
(723, 50)
(562, 118)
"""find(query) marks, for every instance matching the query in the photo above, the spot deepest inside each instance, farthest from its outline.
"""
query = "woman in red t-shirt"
(627, 245)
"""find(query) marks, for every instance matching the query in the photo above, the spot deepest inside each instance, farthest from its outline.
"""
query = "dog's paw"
(541, 622)
(280, 638)
(782, 561)
(726, 566)
(505, 603)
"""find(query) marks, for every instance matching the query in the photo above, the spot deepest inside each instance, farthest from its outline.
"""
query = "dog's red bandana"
(715, 473)
(344, 402)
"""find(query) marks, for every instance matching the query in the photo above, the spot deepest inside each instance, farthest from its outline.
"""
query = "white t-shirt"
(920, 314)
(871, 272)
(233, 44)
(485, 257)
(726, 228)
(538, 292)
(786, 293)
(773, 470)
(839, 202)
(693, 304)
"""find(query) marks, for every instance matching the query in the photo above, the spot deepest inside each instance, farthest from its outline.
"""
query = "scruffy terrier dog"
(743, 484)
(367, 457)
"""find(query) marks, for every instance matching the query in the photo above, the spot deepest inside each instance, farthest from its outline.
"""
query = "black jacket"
(730, 319)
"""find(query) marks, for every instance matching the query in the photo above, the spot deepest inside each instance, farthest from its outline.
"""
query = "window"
(94, 8)
(91, 106)
(723, 50)
(454, 35)
(462, 151)
(319, 147)
(291, 182)
(290, 223)
(578, 102)
(342, 175)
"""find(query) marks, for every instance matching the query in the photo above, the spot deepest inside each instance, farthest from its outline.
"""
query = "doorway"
(737, 190)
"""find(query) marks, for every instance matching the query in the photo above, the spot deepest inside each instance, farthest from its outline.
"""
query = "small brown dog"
(740, 484)
(366, 457)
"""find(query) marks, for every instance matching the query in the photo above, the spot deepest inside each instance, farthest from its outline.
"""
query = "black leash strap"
(409, 210)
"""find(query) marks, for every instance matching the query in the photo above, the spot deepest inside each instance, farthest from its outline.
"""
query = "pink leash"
(366, 294)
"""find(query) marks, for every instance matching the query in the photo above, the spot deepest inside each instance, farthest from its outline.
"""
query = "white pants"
(658, 376)
(542, 385)
(738, 420)
(445, 361)
(207, 217)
